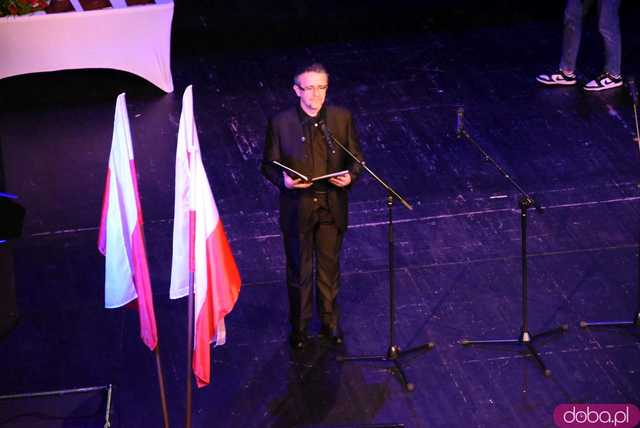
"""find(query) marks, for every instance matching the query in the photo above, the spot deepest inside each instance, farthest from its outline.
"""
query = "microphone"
(460, 123)
(327, 136)
(633, 90)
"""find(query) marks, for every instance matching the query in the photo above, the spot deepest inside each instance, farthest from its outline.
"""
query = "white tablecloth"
(136, 39)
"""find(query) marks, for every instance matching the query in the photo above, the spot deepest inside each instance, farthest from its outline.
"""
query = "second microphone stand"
(525, 338)
(393, 351)
(634, 321)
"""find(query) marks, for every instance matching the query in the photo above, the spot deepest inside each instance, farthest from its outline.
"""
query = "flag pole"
(190, 316)
(160, 373)
(163, 394)
(189, 351)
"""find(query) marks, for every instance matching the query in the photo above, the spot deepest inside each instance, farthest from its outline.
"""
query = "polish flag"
(120, 238)
(200, 246)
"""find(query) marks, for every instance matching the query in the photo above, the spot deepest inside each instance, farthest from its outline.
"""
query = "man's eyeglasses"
(320, 88)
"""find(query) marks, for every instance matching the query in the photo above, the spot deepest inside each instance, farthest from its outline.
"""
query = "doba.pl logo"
(596, 415)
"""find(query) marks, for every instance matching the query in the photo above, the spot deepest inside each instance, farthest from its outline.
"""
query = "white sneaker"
(557, 79)
(602, 82)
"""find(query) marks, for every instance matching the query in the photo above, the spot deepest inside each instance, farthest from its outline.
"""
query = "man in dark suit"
(313, 215)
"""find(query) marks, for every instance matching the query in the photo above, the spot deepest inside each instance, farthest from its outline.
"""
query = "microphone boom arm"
(462, 132)
(391, 192)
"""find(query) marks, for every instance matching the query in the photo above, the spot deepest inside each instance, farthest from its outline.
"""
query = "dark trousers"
(321, 241)
(608, 24)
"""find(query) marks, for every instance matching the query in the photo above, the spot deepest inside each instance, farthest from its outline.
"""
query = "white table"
(136, 39)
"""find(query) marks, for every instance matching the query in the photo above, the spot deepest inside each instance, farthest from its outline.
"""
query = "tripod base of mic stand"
(635, 322)
(393, 355)
(526, 339)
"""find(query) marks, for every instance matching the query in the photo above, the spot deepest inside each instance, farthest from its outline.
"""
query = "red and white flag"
(216, 277)
(120, 239)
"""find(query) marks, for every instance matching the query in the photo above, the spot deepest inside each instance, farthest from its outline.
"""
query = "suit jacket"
(285, 144)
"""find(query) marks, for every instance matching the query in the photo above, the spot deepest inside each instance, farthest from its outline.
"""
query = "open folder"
(305, 178)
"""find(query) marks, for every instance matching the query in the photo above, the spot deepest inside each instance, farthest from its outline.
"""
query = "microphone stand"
(526, 201)
(635, 320)
(393, 351)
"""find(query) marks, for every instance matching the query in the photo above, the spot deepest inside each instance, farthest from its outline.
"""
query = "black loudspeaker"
(12, 219)
(12, 215)
(81, 407)
(8, 306)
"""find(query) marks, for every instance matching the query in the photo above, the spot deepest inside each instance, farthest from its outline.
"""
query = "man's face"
(312, 90)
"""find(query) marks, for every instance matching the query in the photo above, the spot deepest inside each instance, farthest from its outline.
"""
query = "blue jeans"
(608, 24)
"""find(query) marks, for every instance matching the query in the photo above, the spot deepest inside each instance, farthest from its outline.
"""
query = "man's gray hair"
(313, 67)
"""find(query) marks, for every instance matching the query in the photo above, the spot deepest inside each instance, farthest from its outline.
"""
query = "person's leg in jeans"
(572, 34)
(609, 26)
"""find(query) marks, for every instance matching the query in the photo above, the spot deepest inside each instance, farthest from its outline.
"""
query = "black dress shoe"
(298, 339)
(332, 334)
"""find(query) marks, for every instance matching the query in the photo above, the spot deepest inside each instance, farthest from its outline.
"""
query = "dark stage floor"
(457, 253)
